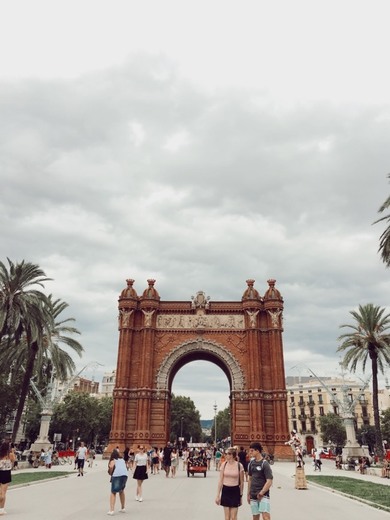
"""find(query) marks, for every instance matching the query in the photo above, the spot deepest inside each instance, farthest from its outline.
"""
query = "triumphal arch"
(244, 338)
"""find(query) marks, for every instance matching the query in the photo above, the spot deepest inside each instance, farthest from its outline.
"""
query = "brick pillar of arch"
(243, 337)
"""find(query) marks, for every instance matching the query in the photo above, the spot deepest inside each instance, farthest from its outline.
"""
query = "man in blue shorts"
(259, 483)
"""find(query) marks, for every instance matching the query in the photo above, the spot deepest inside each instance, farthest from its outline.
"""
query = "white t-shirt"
(82, 452)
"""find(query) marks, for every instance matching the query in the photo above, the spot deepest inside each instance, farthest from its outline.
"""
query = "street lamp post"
(181, 431)
(215, 424)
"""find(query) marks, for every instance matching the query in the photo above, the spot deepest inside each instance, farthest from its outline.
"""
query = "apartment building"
(309, 399)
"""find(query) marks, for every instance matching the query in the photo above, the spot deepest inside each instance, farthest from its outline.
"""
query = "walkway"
(182, 498)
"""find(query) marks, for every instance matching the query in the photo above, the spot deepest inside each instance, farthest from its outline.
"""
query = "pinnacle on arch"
(129, 291)
(250, 292)
(272, 293)
(151, 293)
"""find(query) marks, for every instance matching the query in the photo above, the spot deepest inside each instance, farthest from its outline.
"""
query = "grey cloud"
(93, 194)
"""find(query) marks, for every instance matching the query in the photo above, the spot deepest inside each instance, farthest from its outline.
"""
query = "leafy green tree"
(369, 339)
(384, 240)
(105, 406)
(32, 419)
(223, 425)
(332, 429)
(8, 401)
(385, 423)
(366, 436)
(76, 417)
(185, 418)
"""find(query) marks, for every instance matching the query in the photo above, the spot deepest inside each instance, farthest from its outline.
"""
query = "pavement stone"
(184, 498)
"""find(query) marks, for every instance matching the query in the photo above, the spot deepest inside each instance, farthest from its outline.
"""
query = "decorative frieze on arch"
(200, 346)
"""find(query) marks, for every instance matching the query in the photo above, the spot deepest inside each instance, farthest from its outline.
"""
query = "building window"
(320, 401)
(293, 412)
(313, 426)
(321, 410)
(292, 400)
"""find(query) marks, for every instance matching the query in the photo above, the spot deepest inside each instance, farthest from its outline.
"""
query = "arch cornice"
(198, 346)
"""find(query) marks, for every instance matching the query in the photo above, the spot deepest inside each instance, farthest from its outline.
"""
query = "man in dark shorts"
(260, 481)
(81, 455)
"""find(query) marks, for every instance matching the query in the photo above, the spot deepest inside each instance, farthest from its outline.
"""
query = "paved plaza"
(87, 498)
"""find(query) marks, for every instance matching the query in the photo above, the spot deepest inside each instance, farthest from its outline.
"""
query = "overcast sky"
(199, 143)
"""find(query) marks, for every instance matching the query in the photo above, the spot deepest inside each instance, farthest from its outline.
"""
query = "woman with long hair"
(118, 470)
(174, 462)
(141, 466)
(6, 463)
(230, 485)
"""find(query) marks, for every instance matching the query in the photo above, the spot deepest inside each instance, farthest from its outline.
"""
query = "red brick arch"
(244, 338)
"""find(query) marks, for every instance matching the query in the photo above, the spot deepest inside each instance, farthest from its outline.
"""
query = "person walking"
(48, 458)
(317, 459)
(91, 457)
(174, 462)
(117, 468)
(259, 483)
(155, 461)
(6, 464)
(81, 455)
(230, 485)
(218, 457)
(243, 458)
(167, 459)
(126, 456)
(141, 466)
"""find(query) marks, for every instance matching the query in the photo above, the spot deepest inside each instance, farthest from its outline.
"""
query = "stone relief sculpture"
(124, 317)
(201, 321)
(148, 317)
(275, 318)
(252, 318)
(200, 301)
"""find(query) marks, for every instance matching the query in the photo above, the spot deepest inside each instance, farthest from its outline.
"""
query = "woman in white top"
(118, 470)
(141, 466)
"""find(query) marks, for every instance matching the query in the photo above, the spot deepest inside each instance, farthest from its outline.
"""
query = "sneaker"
(137, 498)
(122, 510)
(140, 499)
(110, 513)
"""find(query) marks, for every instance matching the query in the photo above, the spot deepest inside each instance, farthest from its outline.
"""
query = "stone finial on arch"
(200, 345)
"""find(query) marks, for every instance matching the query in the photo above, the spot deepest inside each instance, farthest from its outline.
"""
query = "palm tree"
(21, 309)
(31, 332)
(48, 353)
(23, 314)
(369, 338)
(384, 239)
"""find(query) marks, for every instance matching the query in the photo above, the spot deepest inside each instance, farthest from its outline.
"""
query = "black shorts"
(80, 463)
(5, 476)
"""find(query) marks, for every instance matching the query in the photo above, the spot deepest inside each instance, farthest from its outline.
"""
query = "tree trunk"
(25, 388)
(375, 405)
